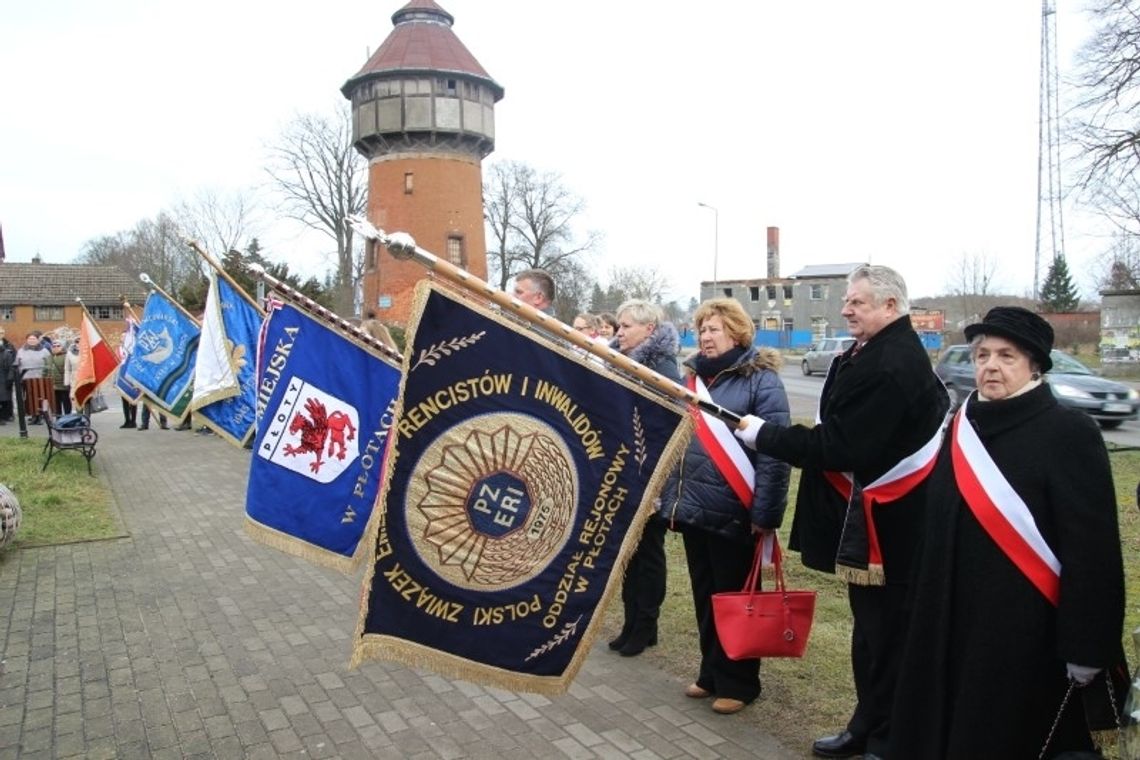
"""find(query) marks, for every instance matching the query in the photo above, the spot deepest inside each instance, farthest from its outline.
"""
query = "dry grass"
(811, 697)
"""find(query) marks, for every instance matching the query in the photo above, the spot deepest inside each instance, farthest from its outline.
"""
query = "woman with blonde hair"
(644, 336)
(720, 523)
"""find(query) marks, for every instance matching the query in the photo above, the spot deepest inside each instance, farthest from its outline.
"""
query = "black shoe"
(164, 427)
(143, 427)
(843, 744)
(127, 425)
(639, 639)
(619, 642)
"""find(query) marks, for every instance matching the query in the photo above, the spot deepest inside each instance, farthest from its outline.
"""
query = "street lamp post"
(716, 239)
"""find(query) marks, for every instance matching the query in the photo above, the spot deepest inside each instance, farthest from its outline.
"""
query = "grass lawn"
(60, 505)
(808, 698)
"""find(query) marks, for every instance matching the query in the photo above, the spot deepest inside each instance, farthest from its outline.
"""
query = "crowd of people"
(951, 531)
(43, 367)
(981, 550)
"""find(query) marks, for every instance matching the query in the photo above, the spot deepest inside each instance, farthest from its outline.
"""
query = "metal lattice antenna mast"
(1050, 222)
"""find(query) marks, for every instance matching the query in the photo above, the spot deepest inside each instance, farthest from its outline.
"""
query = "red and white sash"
(723, 448)
(1002, 513)
(728, 455)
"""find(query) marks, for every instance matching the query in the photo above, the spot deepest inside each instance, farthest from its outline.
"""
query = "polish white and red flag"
(97, 360)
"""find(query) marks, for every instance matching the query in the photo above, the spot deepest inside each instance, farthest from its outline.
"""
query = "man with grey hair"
(535, 287)
(860, 504)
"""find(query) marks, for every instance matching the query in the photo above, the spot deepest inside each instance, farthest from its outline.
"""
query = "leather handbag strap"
(754, 582)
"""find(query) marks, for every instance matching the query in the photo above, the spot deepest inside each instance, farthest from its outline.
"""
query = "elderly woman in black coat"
(1019, 596)
(720, 523)
(644, 336)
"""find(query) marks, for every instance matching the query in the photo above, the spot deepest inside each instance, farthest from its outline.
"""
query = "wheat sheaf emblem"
(568, 630)
(437, 351)
(640, 454)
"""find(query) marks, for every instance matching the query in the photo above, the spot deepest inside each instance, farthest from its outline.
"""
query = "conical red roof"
(422, 41)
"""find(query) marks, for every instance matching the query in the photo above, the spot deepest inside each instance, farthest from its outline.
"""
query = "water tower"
(424, 116)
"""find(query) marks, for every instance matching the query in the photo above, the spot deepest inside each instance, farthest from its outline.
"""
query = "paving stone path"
(185, 639)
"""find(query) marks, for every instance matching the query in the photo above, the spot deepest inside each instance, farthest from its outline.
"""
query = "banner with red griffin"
(324, 407)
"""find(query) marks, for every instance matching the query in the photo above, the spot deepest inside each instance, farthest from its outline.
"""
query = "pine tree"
(1058, 294)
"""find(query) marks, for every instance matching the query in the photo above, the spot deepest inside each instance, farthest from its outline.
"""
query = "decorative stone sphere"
(10, 515)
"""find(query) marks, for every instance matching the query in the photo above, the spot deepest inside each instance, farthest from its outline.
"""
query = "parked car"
(818, 357)
(1108, 402)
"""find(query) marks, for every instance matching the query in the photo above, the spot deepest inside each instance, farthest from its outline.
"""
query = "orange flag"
(97, 361)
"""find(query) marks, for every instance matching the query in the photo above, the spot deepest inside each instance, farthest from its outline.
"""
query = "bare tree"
(323, 181)
(153, 247)
(1106, 126)
(971, 278)
(500, 202)
(532, 218)
(1118, 268)
(639, 282)
(218, 220)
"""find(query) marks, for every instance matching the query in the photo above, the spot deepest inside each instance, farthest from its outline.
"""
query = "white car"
(819, 357)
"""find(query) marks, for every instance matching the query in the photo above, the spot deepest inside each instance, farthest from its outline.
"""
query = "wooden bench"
(81, 438)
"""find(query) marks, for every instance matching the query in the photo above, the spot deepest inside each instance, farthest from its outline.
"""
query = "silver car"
(1108, 402)
(818, 358)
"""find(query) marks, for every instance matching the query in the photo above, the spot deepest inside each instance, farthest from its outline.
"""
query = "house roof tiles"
(60, 284)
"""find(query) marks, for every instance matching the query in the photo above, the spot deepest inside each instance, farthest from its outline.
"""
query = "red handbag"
(753, 623)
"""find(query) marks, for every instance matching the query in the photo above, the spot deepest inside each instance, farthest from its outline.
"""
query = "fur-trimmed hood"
(661, 344)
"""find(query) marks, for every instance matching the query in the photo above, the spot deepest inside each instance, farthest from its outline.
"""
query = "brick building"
(806, 303)
(424, 116)
(38, 296)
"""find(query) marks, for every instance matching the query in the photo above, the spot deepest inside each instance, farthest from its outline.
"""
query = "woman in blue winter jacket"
(724, 497)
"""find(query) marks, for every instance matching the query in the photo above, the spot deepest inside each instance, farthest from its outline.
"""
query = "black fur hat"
(1028, 330)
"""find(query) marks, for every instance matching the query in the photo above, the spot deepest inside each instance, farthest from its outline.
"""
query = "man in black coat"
(881, 411)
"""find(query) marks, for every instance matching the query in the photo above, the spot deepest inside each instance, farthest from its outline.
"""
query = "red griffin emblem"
(314, 432)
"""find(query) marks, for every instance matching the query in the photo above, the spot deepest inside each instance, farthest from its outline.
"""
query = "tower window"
(369, 255)
(455, 252)
(445, 86)
(409, 183)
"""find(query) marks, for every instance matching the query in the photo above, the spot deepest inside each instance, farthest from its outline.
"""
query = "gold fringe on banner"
(383, 647)
(283, 542)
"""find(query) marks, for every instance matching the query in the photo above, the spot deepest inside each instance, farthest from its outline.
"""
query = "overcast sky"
(900, 132)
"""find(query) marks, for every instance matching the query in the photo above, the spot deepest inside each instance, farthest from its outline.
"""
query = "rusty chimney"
(773, 253)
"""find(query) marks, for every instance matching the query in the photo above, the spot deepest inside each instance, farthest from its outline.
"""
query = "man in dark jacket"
(860, 504)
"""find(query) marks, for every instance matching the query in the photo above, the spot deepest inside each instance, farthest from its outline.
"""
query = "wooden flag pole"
(217, 267)
(300, 299)
(403, 247)
(154, 286)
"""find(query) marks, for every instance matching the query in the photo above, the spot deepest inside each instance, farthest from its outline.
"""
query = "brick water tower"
(424, 116)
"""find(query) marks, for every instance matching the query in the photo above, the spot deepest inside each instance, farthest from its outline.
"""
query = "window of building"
(445, 86)
(754, 293)
(106, 312)
(771, 292)
(47, 313)
(787, 295)
(7, 313)
(726, 292)
(409, 183)
(817, 293)
(369, 255)
(455, 252)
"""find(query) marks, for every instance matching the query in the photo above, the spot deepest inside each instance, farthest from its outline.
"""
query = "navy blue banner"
(520, 476)
(325, 405)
